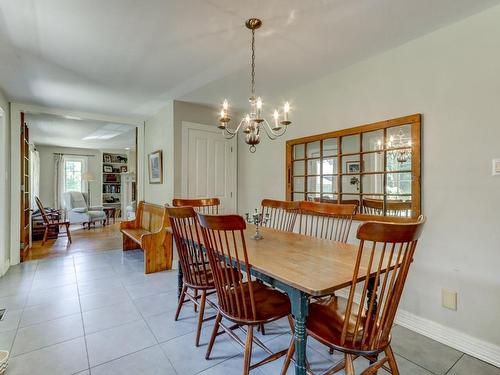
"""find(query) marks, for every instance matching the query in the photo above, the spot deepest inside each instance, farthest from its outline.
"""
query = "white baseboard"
(463, 342)
(6, 267)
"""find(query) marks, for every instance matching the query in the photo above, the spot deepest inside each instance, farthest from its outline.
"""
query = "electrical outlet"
(449, 299)
(496, 167)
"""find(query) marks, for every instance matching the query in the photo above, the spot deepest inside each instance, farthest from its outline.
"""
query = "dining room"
(318, 187)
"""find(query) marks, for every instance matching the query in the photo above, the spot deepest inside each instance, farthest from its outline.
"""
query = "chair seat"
(96, 215)
(57, 223)
(135, 234)
(205, 279)
(270, 304)
(326, 320)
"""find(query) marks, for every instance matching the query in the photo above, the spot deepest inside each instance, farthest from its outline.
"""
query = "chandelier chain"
(253, 63)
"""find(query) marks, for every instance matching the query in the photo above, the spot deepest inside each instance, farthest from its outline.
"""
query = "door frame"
(186, 126)
(4, 215)
(15, 153)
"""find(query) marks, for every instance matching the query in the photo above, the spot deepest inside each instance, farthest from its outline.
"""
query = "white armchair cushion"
(80, 210)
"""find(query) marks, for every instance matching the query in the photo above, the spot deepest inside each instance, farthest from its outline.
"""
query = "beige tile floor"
(99, 314)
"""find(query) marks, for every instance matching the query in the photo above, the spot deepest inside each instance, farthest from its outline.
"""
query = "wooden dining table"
(302, 266)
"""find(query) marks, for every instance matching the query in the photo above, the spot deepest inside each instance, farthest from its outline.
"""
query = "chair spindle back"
(280, 215)
(382, 245)
(209, 206)
(225, 243)
(326, 220)
(45, 217)
(188, 237)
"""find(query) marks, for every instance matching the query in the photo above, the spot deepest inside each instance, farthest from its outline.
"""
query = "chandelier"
(253, 122)
(402, 148)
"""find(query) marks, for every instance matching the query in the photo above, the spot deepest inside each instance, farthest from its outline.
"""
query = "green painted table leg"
(300, 308)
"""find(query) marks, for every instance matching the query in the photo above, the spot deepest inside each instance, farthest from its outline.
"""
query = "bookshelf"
(113, 165)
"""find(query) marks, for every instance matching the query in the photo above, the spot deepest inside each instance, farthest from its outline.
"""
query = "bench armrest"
(130, 224)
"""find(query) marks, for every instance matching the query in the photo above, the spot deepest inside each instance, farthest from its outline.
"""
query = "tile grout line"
(458, 360)
(22, 312)
(418, 365)
(81, 317)
(149, 327)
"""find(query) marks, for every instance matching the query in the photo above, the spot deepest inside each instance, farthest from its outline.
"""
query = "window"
(73, 175)
(375, 166)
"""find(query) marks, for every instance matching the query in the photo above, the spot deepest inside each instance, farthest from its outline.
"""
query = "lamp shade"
(88, 176)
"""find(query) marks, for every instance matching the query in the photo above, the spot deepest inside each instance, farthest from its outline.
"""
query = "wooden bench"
(149, 232)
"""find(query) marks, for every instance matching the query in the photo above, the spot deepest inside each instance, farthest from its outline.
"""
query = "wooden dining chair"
(326, 220)
(197, 275)
(208, 206)
(280, 215)
(50, 222)
(244, 303)
(364, 329)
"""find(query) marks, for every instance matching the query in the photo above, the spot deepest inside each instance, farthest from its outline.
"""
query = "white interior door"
(209, 165)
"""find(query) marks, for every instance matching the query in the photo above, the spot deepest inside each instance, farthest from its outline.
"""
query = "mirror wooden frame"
(414, 121)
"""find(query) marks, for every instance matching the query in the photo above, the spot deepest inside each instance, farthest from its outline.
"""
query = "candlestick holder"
(258, 220)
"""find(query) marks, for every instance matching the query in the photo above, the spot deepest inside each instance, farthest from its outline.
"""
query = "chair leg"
(200, 317)
(68, 234)
(218, 318)
(288, 358)
(195, 306)
(248, 351)
(45, 235)
(181, 302)
(349, 365)
(392, 361)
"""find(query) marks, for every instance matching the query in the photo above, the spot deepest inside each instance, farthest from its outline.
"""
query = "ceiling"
(52, 130)
(128, 57)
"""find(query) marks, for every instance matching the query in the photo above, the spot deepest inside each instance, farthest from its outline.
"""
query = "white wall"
(47, 172)
(4, 183)
(159, 135)
(452, 77)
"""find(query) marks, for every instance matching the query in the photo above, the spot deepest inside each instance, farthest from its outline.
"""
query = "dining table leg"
(179, 280)
(300, 308)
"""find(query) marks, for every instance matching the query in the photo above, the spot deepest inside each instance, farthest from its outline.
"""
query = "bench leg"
(129, 244)
(157, 253)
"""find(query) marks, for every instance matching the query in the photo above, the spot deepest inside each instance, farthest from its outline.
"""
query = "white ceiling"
(59, 131)
(127, 57)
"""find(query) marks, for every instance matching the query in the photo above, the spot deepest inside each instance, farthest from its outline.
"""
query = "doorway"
(82, 167)
(4, 243)
(209, 165)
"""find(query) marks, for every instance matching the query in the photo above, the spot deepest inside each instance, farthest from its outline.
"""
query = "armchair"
(77, 210)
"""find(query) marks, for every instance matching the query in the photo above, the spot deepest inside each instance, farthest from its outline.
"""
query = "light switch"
(496, 167)
(449, 299)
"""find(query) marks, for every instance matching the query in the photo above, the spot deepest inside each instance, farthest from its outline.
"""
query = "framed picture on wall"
(353, 166)
(155, 163)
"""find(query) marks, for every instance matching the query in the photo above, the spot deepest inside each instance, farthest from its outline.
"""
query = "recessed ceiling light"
(127, 148)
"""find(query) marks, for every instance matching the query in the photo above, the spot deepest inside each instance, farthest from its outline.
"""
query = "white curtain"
(35, 176)
(58, 181)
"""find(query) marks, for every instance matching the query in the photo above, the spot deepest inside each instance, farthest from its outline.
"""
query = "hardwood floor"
(84, 241)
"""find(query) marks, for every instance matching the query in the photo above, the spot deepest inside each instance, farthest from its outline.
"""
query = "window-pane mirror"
(375, 166)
